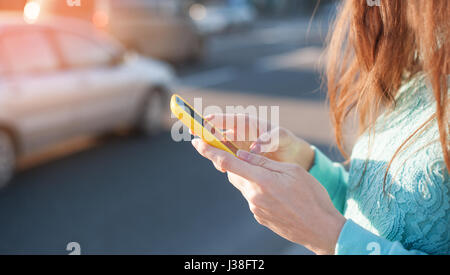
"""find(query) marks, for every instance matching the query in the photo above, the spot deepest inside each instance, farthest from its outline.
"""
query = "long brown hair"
(374, 48)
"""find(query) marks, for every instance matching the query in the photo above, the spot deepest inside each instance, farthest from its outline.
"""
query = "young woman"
(389, 66)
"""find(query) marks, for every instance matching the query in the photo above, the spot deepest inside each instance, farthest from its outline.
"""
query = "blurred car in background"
(213, 17)
(62, 78)
(156, 28)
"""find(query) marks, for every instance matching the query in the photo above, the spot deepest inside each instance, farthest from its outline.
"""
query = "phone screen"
(207, 125)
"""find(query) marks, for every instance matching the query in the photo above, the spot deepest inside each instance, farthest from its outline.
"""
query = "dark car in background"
(156, 28)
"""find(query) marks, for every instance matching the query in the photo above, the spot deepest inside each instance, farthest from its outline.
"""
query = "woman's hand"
(282, 196)
(256, 135)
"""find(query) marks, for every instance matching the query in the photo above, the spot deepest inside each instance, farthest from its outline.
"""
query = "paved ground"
(137, 195)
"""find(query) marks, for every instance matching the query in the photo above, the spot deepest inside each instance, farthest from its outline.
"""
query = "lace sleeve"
(355, 240)
(332, 176)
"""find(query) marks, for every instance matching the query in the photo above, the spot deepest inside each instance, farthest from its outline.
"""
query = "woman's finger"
(267, 142)
(226, 161)
(226, 135)
(245, 128)
(223, 120)
(237, 181)
(233, 120)
(249, 191)
(264, 162)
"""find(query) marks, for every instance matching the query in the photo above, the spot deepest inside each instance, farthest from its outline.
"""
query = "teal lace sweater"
(413, 215)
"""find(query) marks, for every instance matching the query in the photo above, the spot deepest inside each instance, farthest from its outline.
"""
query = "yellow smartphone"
(199, 126)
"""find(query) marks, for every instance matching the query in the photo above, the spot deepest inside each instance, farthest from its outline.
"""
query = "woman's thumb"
(267, 142)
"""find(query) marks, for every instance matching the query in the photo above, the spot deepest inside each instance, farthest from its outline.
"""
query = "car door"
(39, 99)
(109, 89)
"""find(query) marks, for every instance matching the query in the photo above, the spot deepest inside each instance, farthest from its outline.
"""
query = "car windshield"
(27, 52)
(135, 7)
(78, 51)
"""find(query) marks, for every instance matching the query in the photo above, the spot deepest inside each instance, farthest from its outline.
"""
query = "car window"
(136, 8)
(28, 52)
(78, 51)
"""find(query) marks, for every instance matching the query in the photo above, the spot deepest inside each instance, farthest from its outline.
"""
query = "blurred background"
(86, 153)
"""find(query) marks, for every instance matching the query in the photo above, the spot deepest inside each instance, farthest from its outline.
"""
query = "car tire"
(154, 112)
(7, 158)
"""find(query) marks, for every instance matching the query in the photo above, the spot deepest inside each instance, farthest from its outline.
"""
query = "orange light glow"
(100, 19)
(31, 12)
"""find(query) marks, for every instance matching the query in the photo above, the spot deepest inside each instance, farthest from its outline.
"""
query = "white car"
(63, 79)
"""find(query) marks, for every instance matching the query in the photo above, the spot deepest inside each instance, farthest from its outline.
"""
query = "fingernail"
(209, 117)
(252, 146)
(256, 148)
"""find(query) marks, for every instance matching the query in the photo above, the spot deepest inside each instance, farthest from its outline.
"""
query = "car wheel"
(152, 118)
(7, 158)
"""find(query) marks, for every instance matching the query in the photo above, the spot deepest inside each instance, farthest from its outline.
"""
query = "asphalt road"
(134, 195)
